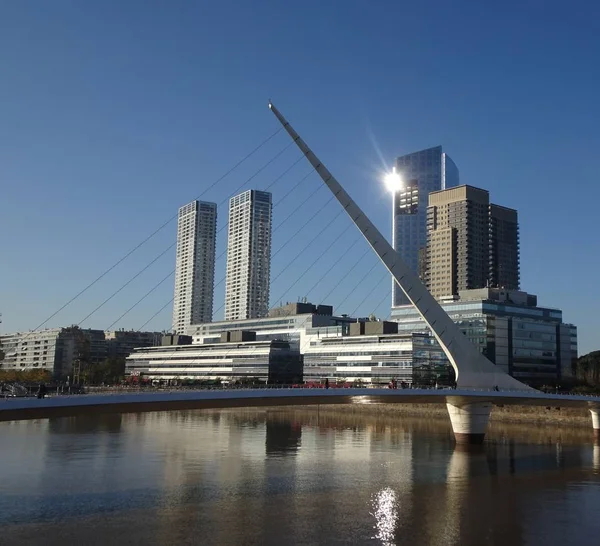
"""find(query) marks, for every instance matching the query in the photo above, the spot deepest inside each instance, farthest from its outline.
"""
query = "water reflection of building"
(282, 437)
(174, 475)
(88, 424)
(23, 455)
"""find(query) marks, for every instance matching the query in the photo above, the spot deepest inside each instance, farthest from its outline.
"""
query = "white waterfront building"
(377, 359)
(53, 350)
(248, 256)
(266, 361)
(338, 348)
(195, 264)
(30, 350)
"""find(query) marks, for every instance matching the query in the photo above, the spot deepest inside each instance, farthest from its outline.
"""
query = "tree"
(111, 370)
(587, 368)
(25, 376)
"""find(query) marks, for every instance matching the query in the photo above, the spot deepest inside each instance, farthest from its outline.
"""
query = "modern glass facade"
(377, 359)
(272, 361)
(422, 172)
(530, 343)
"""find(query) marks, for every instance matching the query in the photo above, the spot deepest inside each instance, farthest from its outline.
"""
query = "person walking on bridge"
(41, 393)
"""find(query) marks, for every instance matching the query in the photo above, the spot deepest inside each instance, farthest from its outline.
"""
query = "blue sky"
(115, 113)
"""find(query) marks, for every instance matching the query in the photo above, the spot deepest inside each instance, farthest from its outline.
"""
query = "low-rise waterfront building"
(530, 343)
(59, 351)
(339, 348)
(9, 345)
(272, 361)
(375, 354)
(53, 350)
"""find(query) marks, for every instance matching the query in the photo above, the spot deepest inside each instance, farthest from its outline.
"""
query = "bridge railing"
(116, 391)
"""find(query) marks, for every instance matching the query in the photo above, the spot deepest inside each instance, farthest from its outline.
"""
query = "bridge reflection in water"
(259, 476)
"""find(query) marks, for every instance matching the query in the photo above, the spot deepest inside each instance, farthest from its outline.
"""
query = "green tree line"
(25, 376)
(110, 371)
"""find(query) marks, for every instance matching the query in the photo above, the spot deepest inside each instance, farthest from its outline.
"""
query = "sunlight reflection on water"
(386, 515)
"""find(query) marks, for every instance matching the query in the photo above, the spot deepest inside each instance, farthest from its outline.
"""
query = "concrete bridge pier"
(596, 423)
(469, 421)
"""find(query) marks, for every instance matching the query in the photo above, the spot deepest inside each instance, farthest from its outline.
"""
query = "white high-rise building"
(195, 264)
(248, 256)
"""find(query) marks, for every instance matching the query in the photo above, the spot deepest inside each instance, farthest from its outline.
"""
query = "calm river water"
(292, 477)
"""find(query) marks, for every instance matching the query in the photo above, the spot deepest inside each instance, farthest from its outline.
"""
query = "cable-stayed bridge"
(479, 382)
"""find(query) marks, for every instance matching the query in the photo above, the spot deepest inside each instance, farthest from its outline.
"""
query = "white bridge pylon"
(473, 370)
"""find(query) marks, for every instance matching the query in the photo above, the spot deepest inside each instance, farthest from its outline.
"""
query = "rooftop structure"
(302, 324)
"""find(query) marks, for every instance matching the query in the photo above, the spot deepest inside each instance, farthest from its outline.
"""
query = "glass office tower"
(422, 172)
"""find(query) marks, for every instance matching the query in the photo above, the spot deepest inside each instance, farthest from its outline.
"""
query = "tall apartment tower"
(248, 256)
(195, 264)
(422, 173)
(471, 243)
(504, 248)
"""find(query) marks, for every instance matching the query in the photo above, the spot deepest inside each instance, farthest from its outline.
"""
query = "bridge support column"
(596, 423)
(469, 421)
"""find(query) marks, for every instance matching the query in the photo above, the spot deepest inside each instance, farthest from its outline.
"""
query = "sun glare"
(393, 181)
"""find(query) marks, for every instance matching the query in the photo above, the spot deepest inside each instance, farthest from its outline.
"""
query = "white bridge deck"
(33, 408)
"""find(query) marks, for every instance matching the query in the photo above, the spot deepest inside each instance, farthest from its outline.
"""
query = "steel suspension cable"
(142, 298)
(149, 237)
(375, 286)
(296, 185)
(311, 265)
(307, 246)
(173, 244)
(127, 283)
